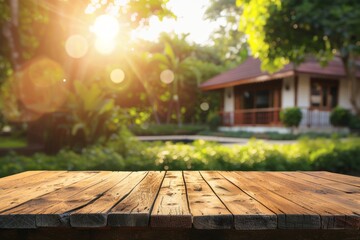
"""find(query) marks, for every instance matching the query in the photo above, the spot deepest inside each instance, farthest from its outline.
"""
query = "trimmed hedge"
(322, 154)
(340, 117)
(291, 117)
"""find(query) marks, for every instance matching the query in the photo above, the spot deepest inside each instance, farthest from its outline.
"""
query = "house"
(252, 99)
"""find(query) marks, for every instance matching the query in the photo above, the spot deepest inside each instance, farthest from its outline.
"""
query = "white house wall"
(303, 96)
(288, 96)
(229, 102)
(344, 94)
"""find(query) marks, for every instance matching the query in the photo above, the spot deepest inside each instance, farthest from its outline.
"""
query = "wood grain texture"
(206, 208)
(346, 204)
(248, 213)
(30, 183)
(332, 216)
(52, 210)
(135, 209)
(10, 201)
(351, 180)
(343, 187)
(194, 201)
(4, 181)
(171, 207)
(289, 214)
(95, 214)
(347, 200)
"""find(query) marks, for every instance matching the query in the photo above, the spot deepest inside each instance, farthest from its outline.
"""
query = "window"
(324, 93)
(258, 99)
(263, 99)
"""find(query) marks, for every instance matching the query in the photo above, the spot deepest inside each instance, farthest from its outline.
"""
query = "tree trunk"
(177, 102)
(154, 111)
(169, 110)
(349, 63)
(10, 32)
(178, 111)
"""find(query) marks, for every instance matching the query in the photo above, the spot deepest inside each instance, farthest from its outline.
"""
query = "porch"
(271, 117)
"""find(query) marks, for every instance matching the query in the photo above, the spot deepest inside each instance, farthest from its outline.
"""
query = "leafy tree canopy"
(228, 41)
(280, 31)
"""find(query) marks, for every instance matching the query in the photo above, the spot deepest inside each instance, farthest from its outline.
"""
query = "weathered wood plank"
(171, 206)
(9, 179)
(52, 210)
(9, 201)
(332, 216)
(30, 183)
(355, 181)
(325, 182)
(290, 215)
(96, 213)
(206, 208)
(135, 209)
(339, 198)
(248, 213)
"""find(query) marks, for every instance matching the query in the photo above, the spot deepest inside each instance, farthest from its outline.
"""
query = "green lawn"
(12, 142)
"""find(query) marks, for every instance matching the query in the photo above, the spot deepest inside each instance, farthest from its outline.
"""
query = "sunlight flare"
(105, 47)
(106, 27)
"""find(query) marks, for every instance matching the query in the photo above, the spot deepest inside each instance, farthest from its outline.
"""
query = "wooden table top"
(176, 199)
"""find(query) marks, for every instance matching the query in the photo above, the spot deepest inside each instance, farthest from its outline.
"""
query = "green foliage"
(213, 120)
(291, 117)
(273, 135)
(228, 41)
(330, 154)
(90, 108)
(282, 30)
(181, 67)
(340, 117)
(355, 123)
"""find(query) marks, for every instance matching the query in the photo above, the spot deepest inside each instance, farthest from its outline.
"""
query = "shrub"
(213, 120)
(340, 117)
(354, 123)
(330, 154)
(291, 117)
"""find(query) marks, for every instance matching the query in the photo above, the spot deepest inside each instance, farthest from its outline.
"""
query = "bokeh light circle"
(40, 86)
(167, 76)
(204, 106)
(36, 89)
(117, 76)
(76, 46)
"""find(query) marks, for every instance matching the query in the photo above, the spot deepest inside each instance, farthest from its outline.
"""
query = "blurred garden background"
(81, 79)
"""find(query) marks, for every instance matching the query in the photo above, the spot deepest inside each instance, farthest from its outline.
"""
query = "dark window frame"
(324, 93)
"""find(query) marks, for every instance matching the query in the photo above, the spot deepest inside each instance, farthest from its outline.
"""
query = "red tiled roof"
(250, 71)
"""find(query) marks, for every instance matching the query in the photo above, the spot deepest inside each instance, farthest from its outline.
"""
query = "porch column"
(229, 104)
(276, 106)
(288, 93)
